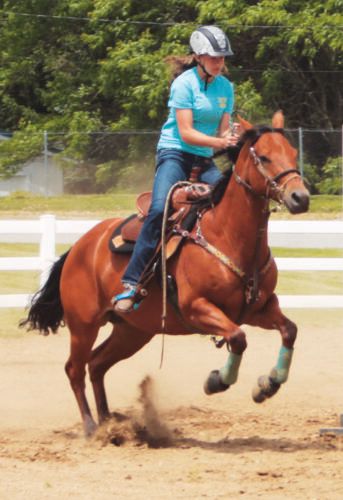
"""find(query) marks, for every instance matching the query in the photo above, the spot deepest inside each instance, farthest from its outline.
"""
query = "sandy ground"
(180, 443)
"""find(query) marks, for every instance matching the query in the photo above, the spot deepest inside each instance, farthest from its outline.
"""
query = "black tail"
(46, 311)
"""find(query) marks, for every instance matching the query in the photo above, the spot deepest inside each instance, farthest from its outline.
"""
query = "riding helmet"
(211, 41)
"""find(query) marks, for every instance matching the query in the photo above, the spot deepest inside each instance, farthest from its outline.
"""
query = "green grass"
(302, 282)
(25, 205)
(19, 281)
(310, 283)
(26, 249)
(32, 250)
(79, 206)
(307, 252)
(326, 203)
(22, 281)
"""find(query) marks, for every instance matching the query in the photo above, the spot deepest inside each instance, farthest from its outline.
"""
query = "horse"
(224, 274)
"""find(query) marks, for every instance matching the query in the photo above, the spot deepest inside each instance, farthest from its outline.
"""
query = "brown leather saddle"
(184, 205)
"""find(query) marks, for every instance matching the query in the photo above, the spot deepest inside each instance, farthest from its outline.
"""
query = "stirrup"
(128, 294)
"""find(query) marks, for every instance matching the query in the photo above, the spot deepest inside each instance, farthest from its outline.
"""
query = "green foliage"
(137, 177)
(133, 167)
(15, 151)
(312, 177)
(249, 103)
(75, 76)
(332, 177)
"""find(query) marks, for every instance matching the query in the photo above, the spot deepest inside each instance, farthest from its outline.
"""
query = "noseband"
(271, 182)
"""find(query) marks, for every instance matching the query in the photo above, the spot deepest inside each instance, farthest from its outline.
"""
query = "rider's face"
(213, 65)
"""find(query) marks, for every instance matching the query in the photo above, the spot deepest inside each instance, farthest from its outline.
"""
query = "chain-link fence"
(100, 162)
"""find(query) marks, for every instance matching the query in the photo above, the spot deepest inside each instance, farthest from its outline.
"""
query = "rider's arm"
(224, 125)
(190, 135)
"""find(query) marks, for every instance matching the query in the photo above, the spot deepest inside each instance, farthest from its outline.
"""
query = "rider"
(200, 104)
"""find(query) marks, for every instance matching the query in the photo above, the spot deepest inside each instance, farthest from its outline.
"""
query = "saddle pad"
(116, 242)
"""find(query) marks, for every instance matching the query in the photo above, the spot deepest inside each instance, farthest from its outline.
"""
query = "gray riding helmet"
(211, 41)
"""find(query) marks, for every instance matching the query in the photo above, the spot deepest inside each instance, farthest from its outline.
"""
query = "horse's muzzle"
(297, 201)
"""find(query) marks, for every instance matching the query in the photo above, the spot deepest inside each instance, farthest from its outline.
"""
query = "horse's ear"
(244, 123)
(278, 119)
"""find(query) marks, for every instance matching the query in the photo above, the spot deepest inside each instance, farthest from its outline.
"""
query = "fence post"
(47, 251)
(301, 151)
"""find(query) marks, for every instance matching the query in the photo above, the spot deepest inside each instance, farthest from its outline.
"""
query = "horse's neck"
(238, 219)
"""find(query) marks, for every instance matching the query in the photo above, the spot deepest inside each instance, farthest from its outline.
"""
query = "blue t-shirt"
(188, 92)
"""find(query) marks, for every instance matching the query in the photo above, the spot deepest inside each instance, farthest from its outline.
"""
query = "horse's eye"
(264, 159)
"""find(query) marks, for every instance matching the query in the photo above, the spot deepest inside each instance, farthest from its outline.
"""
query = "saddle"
(184, 205)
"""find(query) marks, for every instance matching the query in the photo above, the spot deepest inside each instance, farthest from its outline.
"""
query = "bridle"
(251, 280)
(272, 183)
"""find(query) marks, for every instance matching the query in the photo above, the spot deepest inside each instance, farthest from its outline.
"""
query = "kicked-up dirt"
(167, 439)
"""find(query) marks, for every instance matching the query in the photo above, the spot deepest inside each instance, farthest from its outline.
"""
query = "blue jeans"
(171, 166)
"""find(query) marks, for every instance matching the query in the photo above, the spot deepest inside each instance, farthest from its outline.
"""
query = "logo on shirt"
(222, 101)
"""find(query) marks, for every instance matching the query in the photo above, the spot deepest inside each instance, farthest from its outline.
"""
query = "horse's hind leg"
(124, 341)
(271, 317)
(82, 339)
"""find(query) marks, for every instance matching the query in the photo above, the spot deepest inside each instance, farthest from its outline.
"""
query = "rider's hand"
(230, 137)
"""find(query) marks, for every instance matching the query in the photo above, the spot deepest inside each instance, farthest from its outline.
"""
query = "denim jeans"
(171, 166)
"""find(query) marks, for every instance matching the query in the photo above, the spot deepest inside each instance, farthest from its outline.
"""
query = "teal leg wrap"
(229, 372)
(279, 374)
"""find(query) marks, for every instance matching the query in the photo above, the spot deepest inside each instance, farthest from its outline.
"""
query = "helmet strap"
(207, 74)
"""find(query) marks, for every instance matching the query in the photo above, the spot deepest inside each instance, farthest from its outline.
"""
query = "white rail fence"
(48, 231)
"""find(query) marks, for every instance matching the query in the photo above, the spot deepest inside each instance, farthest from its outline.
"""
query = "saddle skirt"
(185, 203)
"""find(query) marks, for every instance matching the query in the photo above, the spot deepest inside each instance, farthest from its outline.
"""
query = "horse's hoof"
(258, 395)
(213, 383)
(266, 388)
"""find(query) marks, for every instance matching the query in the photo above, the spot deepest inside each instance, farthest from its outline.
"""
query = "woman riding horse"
(224, 273)
(201, 101)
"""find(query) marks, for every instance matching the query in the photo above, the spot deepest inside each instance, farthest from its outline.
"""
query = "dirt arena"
(174, 441)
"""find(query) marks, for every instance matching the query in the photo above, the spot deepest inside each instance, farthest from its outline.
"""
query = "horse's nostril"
(300, 199)
(296, 197)
(299, 196)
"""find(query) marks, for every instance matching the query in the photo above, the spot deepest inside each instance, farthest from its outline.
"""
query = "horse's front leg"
(271, 317)
(206, 316)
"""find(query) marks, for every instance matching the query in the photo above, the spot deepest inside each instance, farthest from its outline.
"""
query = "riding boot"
(125, 302)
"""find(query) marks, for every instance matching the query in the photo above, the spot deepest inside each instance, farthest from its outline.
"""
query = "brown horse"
(224, 274)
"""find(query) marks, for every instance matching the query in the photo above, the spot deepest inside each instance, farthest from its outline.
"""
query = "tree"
(99, 64)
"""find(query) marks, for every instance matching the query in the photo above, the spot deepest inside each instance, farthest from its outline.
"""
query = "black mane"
(251, 136)
(220, 187)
